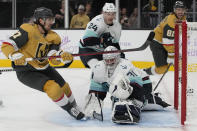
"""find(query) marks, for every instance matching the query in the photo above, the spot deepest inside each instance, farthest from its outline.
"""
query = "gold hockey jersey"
(164, 32)
(30, 42)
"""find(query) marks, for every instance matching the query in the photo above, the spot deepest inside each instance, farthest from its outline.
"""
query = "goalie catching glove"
(120, 87)
(18, 58)
(66, 57)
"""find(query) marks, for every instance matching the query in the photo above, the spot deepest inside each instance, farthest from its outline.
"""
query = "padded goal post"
(185, 66)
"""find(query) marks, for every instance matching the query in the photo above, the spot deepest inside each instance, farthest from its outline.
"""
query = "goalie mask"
(111, 60)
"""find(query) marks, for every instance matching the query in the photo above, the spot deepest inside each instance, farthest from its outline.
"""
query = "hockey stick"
(97, 115)
(6, 70)
(162, 76)
(144, 46)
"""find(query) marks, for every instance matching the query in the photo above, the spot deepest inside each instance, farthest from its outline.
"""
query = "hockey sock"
(68, 92)
(56, 93)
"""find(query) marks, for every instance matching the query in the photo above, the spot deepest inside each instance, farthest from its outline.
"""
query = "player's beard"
(48, 27)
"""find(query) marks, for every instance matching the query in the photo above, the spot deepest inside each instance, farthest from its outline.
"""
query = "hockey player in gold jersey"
(38, 40)
(162, 46)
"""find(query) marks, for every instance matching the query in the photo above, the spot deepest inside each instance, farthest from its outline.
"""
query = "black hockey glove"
(106, 39)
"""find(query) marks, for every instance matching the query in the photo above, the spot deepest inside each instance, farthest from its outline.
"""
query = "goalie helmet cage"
(185, 71)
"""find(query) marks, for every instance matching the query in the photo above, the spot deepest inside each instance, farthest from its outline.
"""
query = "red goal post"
(185, 66)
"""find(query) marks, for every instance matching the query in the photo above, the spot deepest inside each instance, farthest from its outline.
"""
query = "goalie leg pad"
(93, 104)
(125, 112)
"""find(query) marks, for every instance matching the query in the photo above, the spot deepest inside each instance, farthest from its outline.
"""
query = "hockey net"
(185, 66)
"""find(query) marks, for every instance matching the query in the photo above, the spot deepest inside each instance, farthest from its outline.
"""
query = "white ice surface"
(26, 109)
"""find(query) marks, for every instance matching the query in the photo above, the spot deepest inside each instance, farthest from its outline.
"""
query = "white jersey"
(100, 74)
(96, 27)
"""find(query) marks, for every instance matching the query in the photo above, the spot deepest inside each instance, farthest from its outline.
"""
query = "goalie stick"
(97, 115)
(162, 76)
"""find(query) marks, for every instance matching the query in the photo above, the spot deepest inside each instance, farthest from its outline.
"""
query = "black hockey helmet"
(42, 13)
(179, 4)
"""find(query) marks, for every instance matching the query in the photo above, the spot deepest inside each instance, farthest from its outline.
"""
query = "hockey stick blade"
(97, 116)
